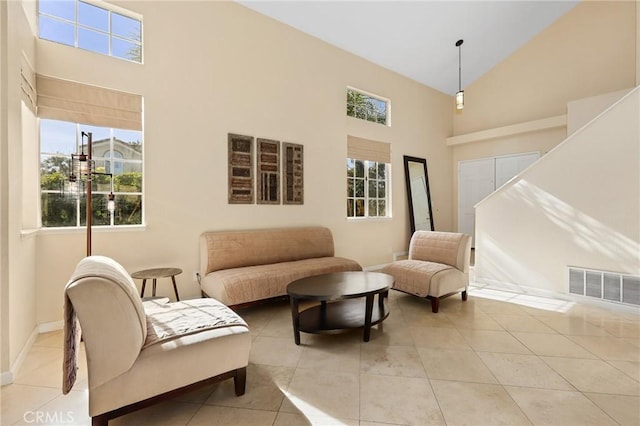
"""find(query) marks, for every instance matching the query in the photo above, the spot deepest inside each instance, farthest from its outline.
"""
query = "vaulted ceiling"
(417, 38)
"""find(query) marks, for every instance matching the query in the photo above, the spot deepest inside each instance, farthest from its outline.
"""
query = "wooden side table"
(154, 274)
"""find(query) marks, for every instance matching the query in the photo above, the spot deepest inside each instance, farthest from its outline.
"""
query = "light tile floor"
(499, 358)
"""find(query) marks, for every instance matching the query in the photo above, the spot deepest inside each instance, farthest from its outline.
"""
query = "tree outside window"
(115, 151)
(367, 183)
(366, 107)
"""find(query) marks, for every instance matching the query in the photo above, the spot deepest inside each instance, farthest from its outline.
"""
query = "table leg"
(175, 287)
(295, 317)
(153, 293)
(367, 317)
(144, 283)
(381, 298)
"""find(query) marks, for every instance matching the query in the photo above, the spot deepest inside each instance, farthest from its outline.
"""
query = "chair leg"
(464, 296)
(435, 304)
(240, 380)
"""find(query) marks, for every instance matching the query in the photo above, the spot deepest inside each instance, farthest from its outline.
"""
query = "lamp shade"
(460, 99)
(111, 203)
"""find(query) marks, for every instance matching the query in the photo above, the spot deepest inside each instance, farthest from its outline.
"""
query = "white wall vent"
(604, 285)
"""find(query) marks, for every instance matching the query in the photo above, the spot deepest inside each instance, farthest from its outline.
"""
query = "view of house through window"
(367, 107)
(366, 188)
(115, 151)
(90, 27)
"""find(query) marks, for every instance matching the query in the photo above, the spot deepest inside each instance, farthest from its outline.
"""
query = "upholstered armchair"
(139, 354)
(437, 267)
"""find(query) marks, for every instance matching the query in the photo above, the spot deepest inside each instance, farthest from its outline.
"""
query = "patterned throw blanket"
(72, 333)
(166, 321)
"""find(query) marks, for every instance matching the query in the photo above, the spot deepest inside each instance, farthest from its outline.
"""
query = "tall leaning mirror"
(417, 182)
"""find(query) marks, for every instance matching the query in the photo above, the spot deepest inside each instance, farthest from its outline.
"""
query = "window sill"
(82, 230)
(369, 219)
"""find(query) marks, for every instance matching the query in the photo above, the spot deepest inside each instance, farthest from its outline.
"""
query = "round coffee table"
(345, 310)
(154, 274)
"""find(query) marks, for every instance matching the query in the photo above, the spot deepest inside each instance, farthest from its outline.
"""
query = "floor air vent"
(605, 285)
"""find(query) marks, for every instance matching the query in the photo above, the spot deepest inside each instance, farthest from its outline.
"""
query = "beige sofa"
(139, 354)
(241, 267)
(437, 267)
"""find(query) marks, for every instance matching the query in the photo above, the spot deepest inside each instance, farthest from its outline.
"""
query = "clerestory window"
(91, 25)
(367, 106)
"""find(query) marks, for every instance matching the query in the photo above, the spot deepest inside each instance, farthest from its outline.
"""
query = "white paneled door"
(479, 178)
(508, 167)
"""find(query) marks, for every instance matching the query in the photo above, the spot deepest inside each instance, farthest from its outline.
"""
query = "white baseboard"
(8, 376)
(396, 256)
(533, 291)
(374, 268)
(50, 326)
(400, 254)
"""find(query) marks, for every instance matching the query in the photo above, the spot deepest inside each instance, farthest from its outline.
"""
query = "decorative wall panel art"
(240, 169)
(293, 173)
(268, 166)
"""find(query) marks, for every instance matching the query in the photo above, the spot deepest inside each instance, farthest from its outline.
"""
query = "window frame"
(374, 97)
(111, 36)
(100, 161)
(367, 198)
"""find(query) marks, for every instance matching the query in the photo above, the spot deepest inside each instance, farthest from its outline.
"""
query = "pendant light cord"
(458, 45)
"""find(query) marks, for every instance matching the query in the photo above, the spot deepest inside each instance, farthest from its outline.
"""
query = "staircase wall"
(579, 205)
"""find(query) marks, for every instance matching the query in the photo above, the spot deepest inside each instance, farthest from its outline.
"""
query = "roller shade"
(366, 149)
(82, 103)
(28, 83)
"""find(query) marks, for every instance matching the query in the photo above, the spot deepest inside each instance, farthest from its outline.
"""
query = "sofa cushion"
(247, 284)
(167, 321)
(438, 247)
(424, 279)
(234, 249)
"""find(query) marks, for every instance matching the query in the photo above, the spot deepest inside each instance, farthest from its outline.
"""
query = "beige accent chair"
(437, 267)
(140, 353)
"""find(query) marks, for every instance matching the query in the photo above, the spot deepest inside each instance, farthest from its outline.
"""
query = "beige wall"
(578, 206)
(588, 51)
(582, 111)
(5, 361)
(18, 266)
(224, 68)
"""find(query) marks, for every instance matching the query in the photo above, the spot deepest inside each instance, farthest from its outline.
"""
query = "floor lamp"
(83, 169)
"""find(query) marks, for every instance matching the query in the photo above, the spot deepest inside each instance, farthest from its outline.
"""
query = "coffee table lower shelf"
(340, 316)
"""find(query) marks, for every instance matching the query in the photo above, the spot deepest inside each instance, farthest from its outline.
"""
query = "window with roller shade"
(368, 178)
(114, 118)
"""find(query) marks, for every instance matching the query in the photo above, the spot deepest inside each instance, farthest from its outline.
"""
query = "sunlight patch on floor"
(313, 415)
(531, 301)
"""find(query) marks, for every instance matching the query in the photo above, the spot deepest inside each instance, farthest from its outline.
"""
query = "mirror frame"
(407, 159)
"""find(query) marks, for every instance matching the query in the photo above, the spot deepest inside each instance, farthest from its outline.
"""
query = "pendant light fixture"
(460, 94)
